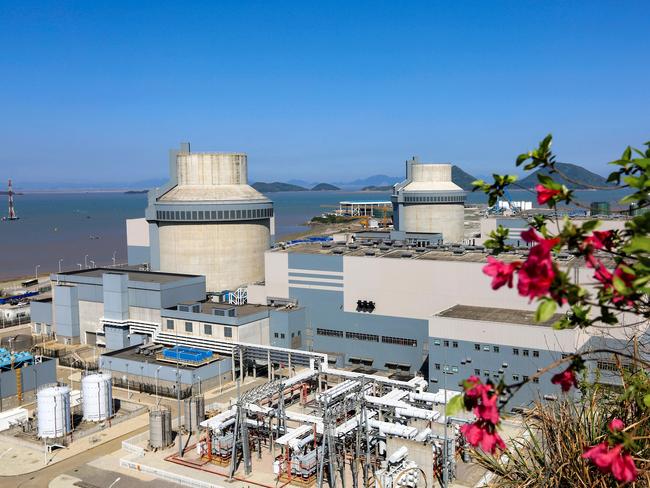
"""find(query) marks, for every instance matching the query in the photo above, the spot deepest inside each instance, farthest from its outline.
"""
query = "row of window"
(281, 335)
(207, 328)
(486, 348)
(401, 341)
(609, 366)
(256, 213)
(441, 199)
(515, 377)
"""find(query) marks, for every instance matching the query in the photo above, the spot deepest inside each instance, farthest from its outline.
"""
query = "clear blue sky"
(99, 90)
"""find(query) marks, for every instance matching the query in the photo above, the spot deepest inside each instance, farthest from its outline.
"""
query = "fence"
(167, 476)
(18, 321)
(166, 391)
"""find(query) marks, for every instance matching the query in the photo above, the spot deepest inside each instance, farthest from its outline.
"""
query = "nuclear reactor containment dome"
(208, 221)
(97, 397)
(53, 411)
(428, 202)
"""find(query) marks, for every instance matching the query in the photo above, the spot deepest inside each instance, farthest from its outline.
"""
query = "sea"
(78, 229)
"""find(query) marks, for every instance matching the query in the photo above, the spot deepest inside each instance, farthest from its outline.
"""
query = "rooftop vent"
(384, 248)
(326, 245)
(420, 249)
(406, 255)
(369, 252)
(338, 250)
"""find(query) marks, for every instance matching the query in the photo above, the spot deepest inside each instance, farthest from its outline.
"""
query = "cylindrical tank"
(429, 202)
(160, 428)
(53, 411)
(211, 222)
(194, 412)
(599, 208)
(97, 397)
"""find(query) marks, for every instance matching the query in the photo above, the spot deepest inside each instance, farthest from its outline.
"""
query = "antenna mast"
(12, 211)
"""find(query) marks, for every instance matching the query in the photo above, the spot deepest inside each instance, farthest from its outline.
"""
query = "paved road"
(41, 478)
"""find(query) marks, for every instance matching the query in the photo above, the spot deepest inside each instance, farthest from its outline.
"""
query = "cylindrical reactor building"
(209, 221)
(428, 202)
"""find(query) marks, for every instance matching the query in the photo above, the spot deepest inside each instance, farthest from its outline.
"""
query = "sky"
(321, 91)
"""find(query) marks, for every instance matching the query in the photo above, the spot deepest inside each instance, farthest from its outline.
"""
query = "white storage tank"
(53, 411)
(97, 397)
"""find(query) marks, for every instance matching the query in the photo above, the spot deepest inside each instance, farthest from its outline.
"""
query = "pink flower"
(501, 273)
(616, 425)
(479, 433)
(623, 468)
(545, 194)
(536, 274)
(599, 239)
(566, 379)
(487, 410)
(491, 441)
(613, 460)
(473, 433)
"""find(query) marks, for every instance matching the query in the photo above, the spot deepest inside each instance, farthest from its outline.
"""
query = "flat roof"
(242, 310)
(471, 254)
(493, 314)
(133, 273)
(131, 354)
(387, 202)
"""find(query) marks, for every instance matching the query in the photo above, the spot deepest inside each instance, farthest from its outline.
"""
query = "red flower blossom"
(613, 460)
(487, 409)
(545, 194)
(501, 273)
(616, 425)
(566, 379)
(599, 239)
(537, 273)
(484, 435)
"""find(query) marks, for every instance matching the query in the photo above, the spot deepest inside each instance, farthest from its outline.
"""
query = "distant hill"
(461, 178)
(377, 188)
(573, 171)
(325, 187)
(276, 186)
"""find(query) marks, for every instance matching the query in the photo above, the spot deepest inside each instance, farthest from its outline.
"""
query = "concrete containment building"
(428, 202)
(207, 220)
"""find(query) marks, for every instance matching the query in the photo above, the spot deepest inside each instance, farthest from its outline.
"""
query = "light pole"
(36, 272)
(80, 265)
(157, 397)
(60, 261)
(86, 261)
(92, 263)
(114, 254)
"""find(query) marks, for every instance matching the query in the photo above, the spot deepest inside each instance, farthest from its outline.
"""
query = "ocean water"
(85, 227)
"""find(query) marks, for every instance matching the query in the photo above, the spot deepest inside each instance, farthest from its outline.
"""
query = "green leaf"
(619, 285)
(545, 311)
(455, 405)
(646, 400)
(638, 244)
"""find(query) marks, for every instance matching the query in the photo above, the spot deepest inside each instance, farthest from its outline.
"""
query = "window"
(207, 329)
(170, 324)
(298, 332)
(535, 354)
(535, 380)
(525, 378)
(455, 344)
(275, 334)
(400, 341)
(281, 336)
(526, 352)
(477, 347)
(227, 332)
(495, 348)
(437, 365)
(436, 342)
(329, 332)
(292, 334)
(362, 337)
(477, 372)
(515, 377)
(515, 351)
(446, 343)
(188, 327)
(486, 348)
